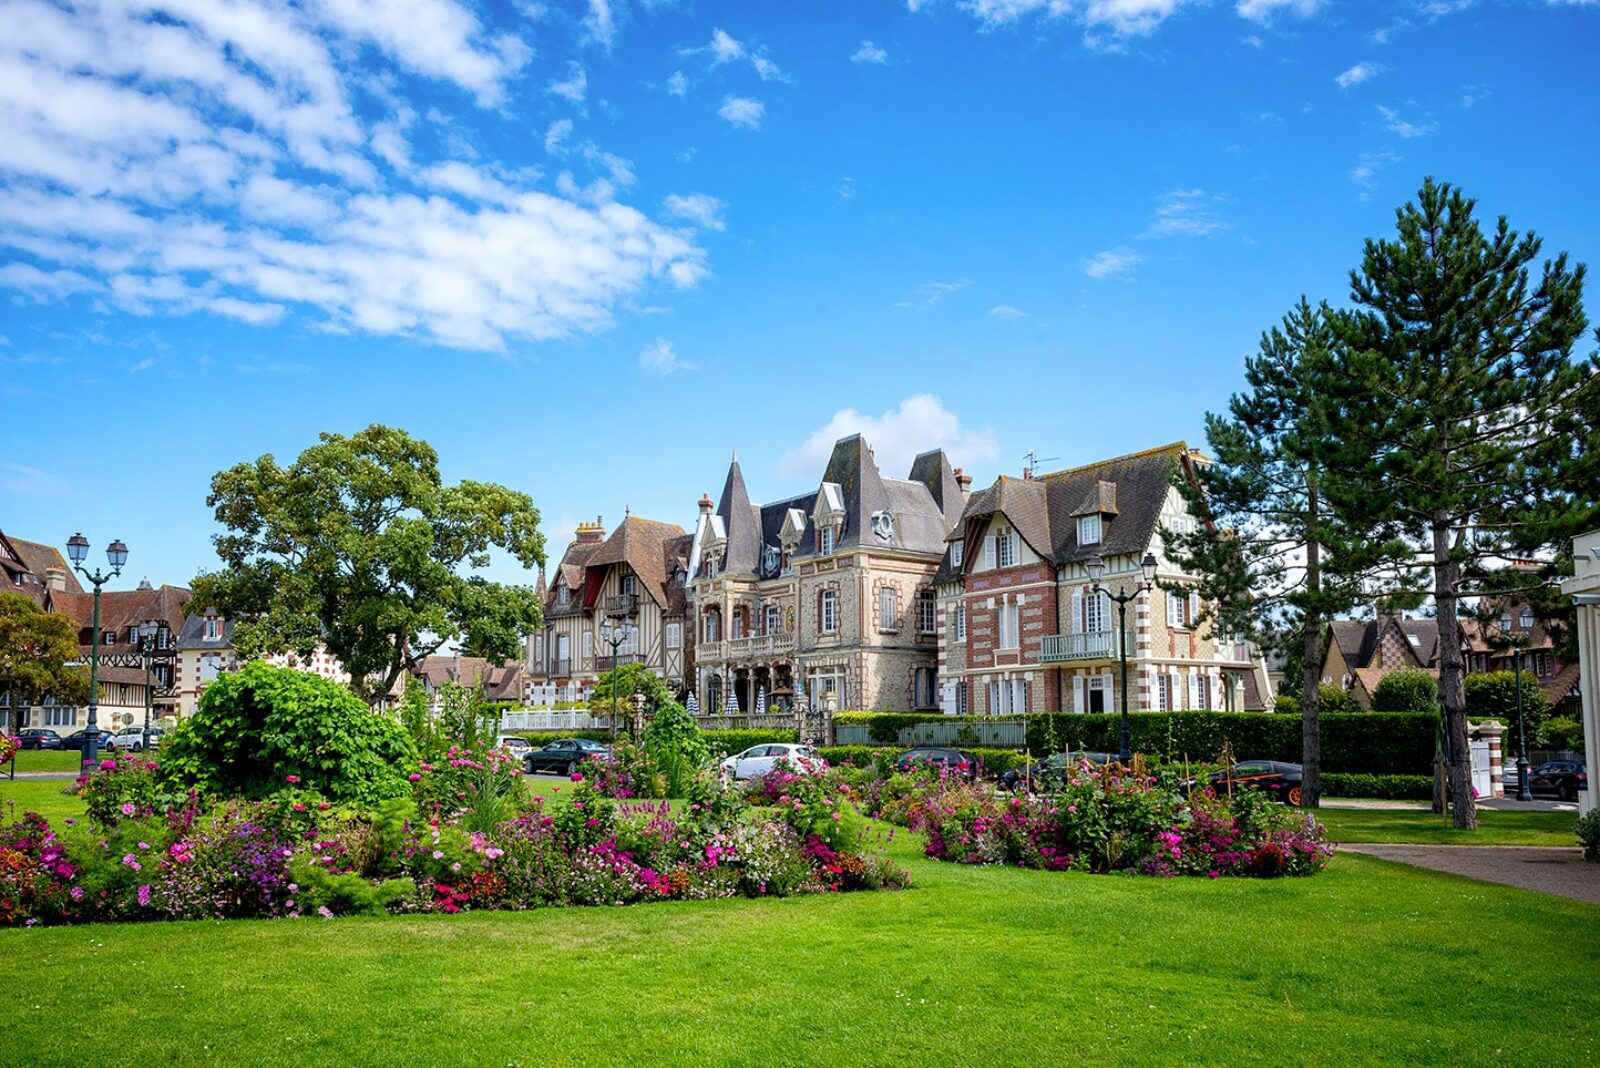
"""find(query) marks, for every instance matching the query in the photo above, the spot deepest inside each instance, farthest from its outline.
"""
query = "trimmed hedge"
(1375, 743)
(720, 742)
(992, 762)
(1383, 787)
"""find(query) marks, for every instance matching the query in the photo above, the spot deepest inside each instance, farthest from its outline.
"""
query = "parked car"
(953, 760)
(39, 738)
(1052, 770)
(515, 745)
(137, 740)
(1276, 777)
(1561, 779)
(79, 739)
(760, 759)
(563, 755)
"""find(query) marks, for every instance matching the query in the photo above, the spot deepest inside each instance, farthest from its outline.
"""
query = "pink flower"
(323, 806)
(414, 777)
(291, 779)
(438, 854)
(298, 807)
(128, 809)
(324, 912)
(108, 765)
(76, 893)
(144, 896)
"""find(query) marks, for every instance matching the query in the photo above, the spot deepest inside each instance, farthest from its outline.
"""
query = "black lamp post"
(149, 642)
(1097, 569)
(116, 555)
(1524, 793)
(615, 636)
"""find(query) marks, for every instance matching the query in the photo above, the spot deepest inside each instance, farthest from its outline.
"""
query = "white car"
(760, 759)
(515, 745)
(136, 739)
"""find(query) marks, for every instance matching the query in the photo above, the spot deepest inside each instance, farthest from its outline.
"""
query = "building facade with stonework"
(827, 595)
(634, 576)
(1021, 630)
(205, 650)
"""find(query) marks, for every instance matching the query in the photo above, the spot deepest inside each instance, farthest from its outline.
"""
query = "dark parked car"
(39, 738)
(76, 740)
(1052, 770)
(563, 755)
(1277, 778)
(1561, 779)
(953, 760)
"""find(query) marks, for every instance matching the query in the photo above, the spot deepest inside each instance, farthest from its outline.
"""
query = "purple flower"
(414, 777)
(324, 912)
(108, 765)
(144, 896)
(76, 893)
(128, 809)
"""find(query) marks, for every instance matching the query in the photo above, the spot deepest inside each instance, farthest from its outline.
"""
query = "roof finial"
(627, 511)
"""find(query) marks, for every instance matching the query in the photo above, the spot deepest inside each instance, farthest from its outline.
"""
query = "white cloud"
(659, 357)
(868, 52)
(1472, 94)
(1006, 311)
(215, 161)
(1111, 261)
(1369, 164)
(1128, 18)
(19, 480)
(555, 136)
(920, 423)
(1266, 10)
(931, 293)
(698, 208)
(1185, 213)
(601, 23)
(1357, 74)
(574, 85)
(1395, 123)
(677, 85)
(742, 112)
(724, 48)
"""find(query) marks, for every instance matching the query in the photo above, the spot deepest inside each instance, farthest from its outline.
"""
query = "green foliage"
(1384, 787)
(1286, 704)
(360, 545)
(1493, 695)
(465, 719)
(673, 741)
(627, 680)
(1588, 831)
(38, 651)
(255, 727)
(346, 893)
(1334, 699)
(1561, 732)
(1410, 690)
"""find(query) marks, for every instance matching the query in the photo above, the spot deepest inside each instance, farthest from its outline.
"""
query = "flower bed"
(8, 747)
(465, 839)
(1105, 819)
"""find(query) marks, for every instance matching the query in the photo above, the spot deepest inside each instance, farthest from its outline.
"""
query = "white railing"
(577, 720)
(761, 644)
(1090, 645)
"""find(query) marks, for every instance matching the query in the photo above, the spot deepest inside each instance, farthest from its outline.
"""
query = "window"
(58, 716)
(736, 624)
(1010, 631)
(538, 648)
(925, 685)
(1526, 619)
(1182, 608)
(1008, 697)
(588, 644)
(1096, 612)
(629, 586)
(1089, 530)
(1164, 693)
(963, 701)
(828, 612)
(956, 550)
(888, 608)
(1005, 548)
(108, 637)
(213, 629)
(961, 622)
(563, 597)
(713, 627)
(927, 613)
(564, 652)
(1203, 692)
(825, 540)
(674, 636)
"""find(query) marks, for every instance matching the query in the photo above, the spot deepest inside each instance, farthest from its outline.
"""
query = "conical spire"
(740, 520)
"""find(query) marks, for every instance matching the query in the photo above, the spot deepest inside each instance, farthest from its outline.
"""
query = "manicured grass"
(1368, 962)
(1421, 827)
(43, 796)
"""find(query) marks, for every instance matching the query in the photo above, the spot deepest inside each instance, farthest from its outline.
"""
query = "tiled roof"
(742, 522)
(642, 545)
(24, 563)
(192, 636)
(571, 572)
(1355, 640)
(1563, 685)
(469, 671)
(120, 608)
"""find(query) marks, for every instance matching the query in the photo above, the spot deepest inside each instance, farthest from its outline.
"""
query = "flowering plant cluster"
(628, 772)
(123, 786)
(1108, 819)
(8, 747)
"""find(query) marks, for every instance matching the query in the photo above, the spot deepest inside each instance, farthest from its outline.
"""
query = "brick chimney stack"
(705, 504)
(588, 533)
(963, 480)
(55, 579)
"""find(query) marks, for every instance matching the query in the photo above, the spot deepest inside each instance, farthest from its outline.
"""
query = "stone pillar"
(1585, 586)
(1494, 732)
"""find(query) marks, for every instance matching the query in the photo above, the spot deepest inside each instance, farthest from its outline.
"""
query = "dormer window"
(563, 597)
(956, 552)
(1089, 530)
(213, 629)
(825, 541)
(629, 586)
(1005, 547)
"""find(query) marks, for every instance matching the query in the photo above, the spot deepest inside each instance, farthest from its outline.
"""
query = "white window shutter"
(947, 699)
(1108, 684)
(1194, 607)
(1174, 609)
(1077, 611)
(1194, 691)
(988, 552)
(1022, 599)
(1077, 693)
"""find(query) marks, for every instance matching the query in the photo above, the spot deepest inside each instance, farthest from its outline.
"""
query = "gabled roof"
(1355, 640)
(192, 636)
(23, 565)
(120, 608)
(570, 573)
(933, 470)
(641, 545)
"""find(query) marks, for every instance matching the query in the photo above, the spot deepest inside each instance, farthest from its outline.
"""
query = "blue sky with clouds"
(587, 248)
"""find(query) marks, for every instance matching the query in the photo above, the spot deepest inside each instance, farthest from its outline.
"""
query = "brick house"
(1020, 629)
(828, 592)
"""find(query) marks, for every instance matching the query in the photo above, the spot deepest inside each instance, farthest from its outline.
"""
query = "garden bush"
(255, 726)
(1409, 690)
(1562, 733)
(1493, 695)
(1588, 832)
(1385, 787)
(1334, 699)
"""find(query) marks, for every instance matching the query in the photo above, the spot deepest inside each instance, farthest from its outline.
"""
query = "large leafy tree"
(37, 654)
(1466, 417)
(1276, 561)
(360, 545)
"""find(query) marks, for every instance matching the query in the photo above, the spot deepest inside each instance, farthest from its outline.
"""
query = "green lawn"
(43, 796)
(1368, 962)
(45, 760)
(1422, 827)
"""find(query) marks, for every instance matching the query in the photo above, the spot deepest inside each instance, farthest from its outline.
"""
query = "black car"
(78, 739)
(927, 756)
(563, 755)
(1279, 779)
(1561, 779)
(39, 738)
(1051, 772)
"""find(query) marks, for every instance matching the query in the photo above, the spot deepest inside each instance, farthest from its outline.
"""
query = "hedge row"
(724, 742)
(1383, 787)
(1375, 743)
(992, 761)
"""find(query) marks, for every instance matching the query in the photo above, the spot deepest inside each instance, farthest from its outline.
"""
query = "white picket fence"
(537, 720)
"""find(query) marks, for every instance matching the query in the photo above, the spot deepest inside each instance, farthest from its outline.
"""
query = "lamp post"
(1523, 791)
(116, 556)
(1097, 569)
(149, 641)
(614, 636)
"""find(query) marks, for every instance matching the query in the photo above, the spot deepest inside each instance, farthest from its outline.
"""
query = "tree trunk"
(1311, 666)
(1452, 679)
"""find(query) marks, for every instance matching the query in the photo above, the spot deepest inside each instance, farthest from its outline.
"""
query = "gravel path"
(1547, 869)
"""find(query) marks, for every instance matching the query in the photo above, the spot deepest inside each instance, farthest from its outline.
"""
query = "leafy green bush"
(1287, 704)
(674, 743)
(1588, 832)
(1411, 690)
(1334, 699)
(1493, 695)
(256, 727)
(1561, 732)
(1385, 787)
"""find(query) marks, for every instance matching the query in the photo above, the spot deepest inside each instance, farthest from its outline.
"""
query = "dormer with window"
(789, 535)
(957, 552)
(563, 596)
(1094, 512)
(828, 518)
(716, 547)
(211, 629)
(1002, 547)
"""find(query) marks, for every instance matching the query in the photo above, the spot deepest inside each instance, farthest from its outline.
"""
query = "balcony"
(1092, 645)
(561, 667)
(622, 605)
(753, 647)
(606, 663)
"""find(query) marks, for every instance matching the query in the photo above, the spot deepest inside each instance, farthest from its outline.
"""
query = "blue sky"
(589, 248)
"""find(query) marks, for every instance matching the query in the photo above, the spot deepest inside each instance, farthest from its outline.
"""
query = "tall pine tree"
(1274, 560)
(1464, 414)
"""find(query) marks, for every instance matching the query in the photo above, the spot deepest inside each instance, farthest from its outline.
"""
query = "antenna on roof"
(1033, 459)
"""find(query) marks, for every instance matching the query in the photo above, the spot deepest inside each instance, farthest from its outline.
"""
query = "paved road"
(1547, 869)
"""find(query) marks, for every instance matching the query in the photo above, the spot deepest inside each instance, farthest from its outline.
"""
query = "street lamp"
(149, 641)
(116, 555)
(615, 636)
(1097, 569)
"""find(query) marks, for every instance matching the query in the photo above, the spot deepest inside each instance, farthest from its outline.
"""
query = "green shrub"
(1588, 832)
(1411, 690)
(1493, 695)
(675, 745)
(1561, 732)
(1385, 787)
(1334, 699)
(1287, 704)
(256, 727)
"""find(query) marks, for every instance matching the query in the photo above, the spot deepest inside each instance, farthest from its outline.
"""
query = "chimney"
(144, 584)
(705, 504)
(1027, 473)
(55, 578)
(963, 480)
(589, 533)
